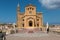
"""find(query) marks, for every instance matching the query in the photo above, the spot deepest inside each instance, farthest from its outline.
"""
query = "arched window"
(37, 25)
(27, 8)
(23, 25)
(30, 23)
(37, 19)
(32, 8)
(23, 19)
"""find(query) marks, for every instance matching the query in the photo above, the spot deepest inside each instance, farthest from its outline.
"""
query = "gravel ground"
(33, 36)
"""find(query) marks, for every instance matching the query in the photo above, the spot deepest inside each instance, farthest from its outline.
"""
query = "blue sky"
(50, 9)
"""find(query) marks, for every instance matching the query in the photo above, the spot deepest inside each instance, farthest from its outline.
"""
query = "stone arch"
(30, 22)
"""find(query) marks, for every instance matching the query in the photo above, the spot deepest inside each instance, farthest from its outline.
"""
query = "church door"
(30, 23)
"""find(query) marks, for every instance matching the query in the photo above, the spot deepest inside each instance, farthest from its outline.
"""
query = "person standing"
(48, 30)
(2, 35)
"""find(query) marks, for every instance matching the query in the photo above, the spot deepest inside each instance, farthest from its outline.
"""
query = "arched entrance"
(30, 23)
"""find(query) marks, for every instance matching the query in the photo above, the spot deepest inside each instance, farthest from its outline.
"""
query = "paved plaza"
(34, 36)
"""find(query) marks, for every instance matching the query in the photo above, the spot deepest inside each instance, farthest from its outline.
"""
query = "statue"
(14, 27)
(47, 27)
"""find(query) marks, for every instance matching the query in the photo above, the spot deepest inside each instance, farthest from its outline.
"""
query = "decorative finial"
(18, 5)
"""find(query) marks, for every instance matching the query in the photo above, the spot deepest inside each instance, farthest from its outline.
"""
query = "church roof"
(21, 13)
(30, 5)
(39, 13)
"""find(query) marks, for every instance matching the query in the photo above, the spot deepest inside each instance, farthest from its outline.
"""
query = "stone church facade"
(30, 18)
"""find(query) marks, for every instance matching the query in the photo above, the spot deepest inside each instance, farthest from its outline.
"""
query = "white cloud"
(50, 3)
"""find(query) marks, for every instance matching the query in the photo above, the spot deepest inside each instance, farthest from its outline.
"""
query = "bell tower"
(18, 8)
(18, 15)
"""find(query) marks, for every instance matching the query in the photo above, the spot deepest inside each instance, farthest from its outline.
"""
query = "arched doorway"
(30, 23)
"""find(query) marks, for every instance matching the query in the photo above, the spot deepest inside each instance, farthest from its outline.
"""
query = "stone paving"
(33, 36)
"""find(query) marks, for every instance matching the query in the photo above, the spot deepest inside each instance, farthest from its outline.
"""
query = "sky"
(49, 8)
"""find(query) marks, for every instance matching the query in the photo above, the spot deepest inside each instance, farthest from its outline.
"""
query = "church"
(30, 18)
